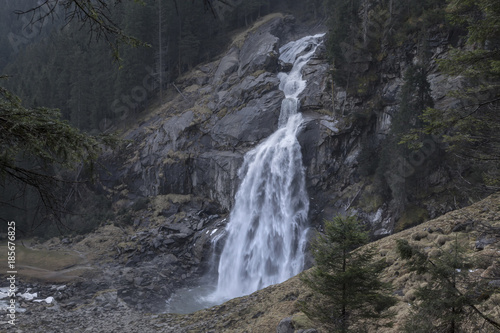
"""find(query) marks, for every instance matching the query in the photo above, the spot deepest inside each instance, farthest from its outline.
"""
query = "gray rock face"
(195, 143)
(259, 52)
(250, 124)
(260, 49)
(316, 95)
(228, 65)
(216, 174)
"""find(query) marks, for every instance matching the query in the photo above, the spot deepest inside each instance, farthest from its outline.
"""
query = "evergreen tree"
(249, 10)
(35, 142)
(189, 46)
(80, 100)
(408, 167)
(448, 301)
(342, 22)
(472, 128)
(345, 281)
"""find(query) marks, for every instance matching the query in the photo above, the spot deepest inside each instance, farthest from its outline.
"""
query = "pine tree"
(36, 141)
(342, 22)
(448, 301)
(408, 168)
(189, 46)
(345, 281)
(79, 95)
(472, 127)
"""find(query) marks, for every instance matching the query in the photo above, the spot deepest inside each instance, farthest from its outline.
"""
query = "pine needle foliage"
(471, 128)
(347, 291)
(36, 144)
(448, 302)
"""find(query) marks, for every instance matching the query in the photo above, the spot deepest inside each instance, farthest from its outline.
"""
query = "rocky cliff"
(195, 142)
(193, 145)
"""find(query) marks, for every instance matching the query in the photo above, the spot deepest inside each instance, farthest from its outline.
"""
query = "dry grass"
(258, 312)
(101, 244)
(45, 265)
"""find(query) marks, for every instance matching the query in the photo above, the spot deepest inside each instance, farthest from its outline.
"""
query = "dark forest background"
(58, 65)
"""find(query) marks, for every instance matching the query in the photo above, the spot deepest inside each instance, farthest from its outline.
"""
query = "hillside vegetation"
(263, 310)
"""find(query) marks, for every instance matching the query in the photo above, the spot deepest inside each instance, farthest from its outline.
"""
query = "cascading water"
(266, 234)
(267, 228)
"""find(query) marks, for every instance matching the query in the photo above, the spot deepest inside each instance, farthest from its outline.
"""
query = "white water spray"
(267, 228)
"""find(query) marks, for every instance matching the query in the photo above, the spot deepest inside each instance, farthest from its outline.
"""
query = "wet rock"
(315, 72)
(284, 67)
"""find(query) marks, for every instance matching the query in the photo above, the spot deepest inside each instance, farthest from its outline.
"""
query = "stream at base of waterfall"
(267, 230)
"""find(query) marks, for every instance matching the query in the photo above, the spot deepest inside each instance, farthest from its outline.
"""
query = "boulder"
(285, 326)
(484, 240)
(183, 227)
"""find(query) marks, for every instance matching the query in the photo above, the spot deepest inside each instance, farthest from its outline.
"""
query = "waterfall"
(266, 233)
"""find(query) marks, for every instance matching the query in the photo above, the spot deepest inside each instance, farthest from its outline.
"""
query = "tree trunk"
(343, 319)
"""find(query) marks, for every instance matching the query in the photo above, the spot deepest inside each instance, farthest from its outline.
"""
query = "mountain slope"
(263, 310)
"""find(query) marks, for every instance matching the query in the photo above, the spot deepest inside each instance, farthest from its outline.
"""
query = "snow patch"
(48, 300)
